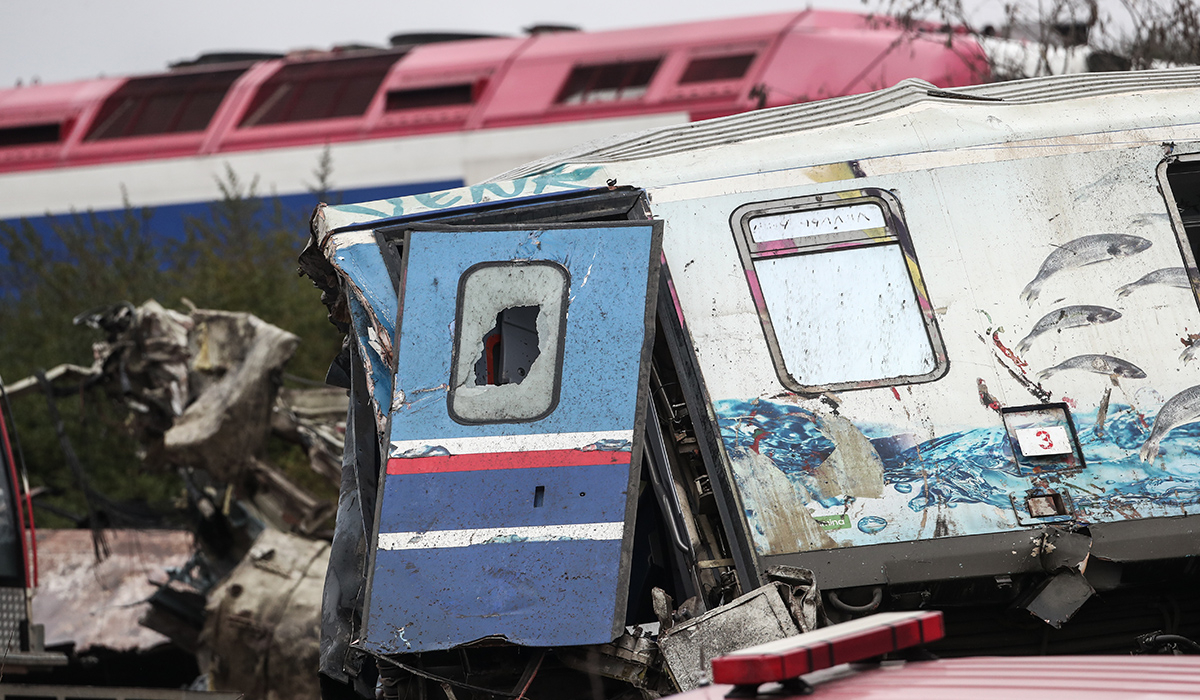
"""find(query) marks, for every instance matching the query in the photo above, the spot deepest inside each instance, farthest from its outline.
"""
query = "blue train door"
(512, 470)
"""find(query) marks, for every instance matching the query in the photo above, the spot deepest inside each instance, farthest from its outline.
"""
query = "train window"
(702, 70)
(165, 104)
(313, 90)
(839, 292)
(608, 82)
(440, 96)
(1180, 180)
(508, 349)
(29, 135)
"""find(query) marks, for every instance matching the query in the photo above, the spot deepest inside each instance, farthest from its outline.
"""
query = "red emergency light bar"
(785, 659)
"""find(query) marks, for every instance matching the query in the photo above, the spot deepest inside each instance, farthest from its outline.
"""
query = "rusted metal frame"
(704, 423)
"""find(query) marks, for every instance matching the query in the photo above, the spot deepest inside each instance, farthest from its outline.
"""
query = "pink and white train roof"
(701, 69)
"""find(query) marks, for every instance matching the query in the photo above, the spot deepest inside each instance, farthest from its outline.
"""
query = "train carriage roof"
(875, 124)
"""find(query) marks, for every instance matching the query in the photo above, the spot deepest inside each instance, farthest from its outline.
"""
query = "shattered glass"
(508, 353)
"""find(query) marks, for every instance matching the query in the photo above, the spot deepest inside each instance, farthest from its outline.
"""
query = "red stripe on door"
(505, 460)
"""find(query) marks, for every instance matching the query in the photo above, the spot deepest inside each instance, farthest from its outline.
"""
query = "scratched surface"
(1045, 270)
(496, 529)
(372, 302)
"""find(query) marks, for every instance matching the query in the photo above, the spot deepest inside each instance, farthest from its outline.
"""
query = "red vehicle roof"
(996, 678)
(703, 69)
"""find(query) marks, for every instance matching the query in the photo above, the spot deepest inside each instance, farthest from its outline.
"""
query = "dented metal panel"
(371, 301)
(496, 518)
(1032, 260)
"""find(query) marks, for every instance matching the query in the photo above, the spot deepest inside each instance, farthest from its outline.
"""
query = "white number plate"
(1047, 440)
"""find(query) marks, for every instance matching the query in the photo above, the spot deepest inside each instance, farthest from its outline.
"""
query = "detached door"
(512, 470)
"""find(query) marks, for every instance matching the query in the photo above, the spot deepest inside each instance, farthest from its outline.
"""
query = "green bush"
(241, 257)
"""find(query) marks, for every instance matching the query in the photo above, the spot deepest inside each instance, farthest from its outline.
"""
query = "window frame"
(121, 116)
(592, 71)
(559, 348)
(294, 84)
(1178, 227)
(393, 102)
(696, 60)
(895, 233)
(32, 134)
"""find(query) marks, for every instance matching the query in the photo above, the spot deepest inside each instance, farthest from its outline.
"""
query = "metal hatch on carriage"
(515, 436)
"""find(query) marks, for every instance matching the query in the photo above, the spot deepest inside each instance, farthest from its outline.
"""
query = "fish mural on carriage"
(843, 350)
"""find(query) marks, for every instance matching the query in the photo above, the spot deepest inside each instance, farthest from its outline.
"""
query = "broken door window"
(508, 350)
(839, 292)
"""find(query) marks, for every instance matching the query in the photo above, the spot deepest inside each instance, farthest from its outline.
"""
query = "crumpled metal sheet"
(800, 593)
(233, 356)
(97, 604)
(261, 629)
(689, 647)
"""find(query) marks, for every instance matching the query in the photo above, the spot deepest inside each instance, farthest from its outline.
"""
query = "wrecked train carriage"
(903, 339)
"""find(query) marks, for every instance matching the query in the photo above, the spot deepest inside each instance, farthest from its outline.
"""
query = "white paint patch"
(343, 241)
(511, 443)
(817, 222)
(444, 539)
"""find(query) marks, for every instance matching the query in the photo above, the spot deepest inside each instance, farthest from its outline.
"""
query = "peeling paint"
(781, 524)
(854, 469)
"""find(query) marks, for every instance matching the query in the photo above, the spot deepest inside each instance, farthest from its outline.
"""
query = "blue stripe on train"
(169, 221)
(502, 498)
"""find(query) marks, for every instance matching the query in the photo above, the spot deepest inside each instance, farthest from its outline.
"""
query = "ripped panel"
(372, 303)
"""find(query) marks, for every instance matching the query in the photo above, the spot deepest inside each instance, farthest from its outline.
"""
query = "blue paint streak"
(169, 222)
(367, 271)
(563, 178)
(502, 498)
(872, 524)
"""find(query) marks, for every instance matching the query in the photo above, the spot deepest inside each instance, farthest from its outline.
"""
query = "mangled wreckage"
(615, 411)
(203, 394)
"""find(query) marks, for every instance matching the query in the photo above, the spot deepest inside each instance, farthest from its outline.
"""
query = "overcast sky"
(60, 40)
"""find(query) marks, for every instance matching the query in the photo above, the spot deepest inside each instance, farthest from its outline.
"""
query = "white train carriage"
(903, 339)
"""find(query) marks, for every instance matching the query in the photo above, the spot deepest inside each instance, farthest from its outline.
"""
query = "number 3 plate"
(1045, 440)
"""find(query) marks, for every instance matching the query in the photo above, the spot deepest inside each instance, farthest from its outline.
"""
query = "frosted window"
(845, 316)
(836, 285)
(508, 354)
